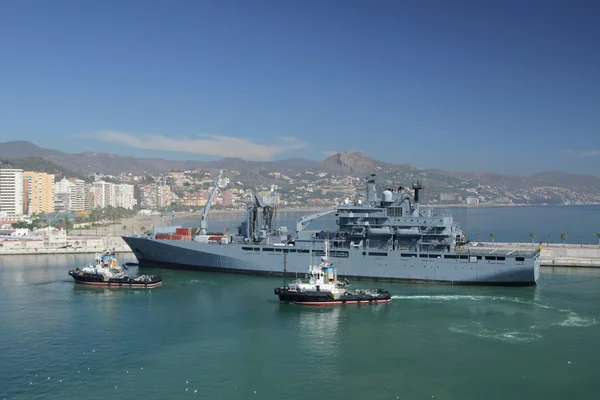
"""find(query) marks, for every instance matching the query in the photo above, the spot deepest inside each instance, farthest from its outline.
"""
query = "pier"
(59, 243)
(559, 254)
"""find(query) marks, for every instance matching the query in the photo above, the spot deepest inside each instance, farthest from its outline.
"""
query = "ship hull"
(315, 298)
(392, 266)
(122, 282)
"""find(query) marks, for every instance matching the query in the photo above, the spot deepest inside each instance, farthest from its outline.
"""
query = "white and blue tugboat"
(324, 289)
(107, 272)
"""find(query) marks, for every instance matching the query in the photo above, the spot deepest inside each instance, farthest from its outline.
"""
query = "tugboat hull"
(141, 281)
(318, 298)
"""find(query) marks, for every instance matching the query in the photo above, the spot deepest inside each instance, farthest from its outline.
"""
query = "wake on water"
(572, 319)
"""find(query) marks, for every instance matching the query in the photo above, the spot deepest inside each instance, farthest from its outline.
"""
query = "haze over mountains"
(343, 163)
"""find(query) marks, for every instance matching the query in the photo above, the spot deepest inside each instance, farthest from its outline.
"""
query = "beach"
(132, 225)
(139, 223)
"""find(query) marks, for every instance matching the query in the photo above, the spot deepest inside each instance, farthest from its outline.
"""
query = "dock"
(59, 243)
(559, 254)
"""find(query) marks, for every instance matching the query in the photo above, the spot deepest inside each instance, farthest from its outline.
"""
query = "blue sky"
(502, 86)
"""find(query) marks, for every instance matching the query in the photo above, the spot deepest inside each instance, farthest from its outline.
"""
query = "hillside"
(342, 163)
(113, 164)
(40, 165)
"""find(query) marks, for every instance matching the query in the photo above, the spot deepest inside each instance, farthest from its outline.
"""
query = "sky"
(491, 86)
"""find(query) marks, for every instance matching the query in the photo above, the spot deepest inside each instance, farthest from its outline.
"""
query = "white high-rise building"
(11, 192)
(104, 194)
(82, 196)
(64, 195)
(124, 196)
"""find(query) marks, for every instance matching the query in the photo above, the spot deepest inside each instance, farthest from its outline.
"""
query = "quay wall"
(72, 245)
(560, 255)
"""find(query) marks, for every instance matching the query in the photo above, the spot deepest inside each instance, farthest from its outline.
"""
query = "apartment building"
(11, 192)
(40, 192)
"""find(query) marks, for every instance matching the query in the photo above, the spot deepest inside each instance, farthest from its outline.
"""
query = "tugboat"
(323, 288)
(107, 272)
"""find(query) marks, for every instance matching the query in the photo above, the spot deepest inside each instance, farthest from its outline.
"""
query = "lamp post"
(548, 241)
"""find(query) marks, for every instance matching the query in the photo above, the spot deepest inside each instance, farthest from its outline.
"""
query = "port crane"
(203, 222)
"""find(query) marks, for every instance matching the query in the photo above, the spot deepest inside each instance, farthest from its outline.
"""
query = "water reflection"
(319, 329)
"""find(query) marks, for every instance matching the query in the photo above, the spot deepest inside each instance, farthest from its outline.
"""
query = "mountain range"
(341, 163)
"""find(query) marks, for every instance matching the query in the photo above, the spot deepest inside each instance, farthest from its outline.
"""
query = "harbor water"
(216, 335)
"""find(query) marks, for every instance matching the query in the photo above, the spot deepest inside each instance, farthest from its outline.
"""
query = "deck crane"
(305, 220)
(203, 222)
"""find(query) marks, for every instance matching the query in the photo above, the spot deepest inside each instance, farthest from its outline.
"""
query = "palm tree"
(68, 224)
(563, 236)
(493, 236)
(532, 236)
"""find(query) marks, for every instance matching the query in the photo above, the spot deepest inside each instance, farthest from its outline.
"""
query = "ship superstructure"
(390, 236)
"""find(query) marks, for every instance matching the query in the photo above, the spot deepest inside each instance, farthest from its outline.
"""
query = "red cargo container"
(176, 237)
(183, 231)
(163, 236)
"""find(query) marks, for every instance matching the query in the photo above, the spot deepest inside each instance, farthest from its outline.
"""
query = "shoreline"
(133, 225)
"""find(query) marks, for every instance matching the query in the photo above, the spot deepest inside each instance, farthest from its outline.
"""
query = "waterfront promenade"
(68, 245)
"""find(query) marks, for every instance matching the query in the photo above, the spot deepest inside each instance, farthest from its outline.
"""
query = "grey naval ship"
(388, 237)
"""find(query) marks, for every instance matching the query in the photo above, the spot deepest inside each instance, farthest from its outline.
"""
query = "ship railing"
(497, 251)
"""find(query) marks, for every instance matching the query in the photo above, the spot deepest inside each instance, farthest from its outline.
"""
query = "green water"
(226, 336)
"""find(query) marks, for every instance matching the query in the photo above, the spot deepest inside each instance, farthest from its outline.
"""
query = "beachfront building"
(40, 192)
(71, 195)
(64, 195)
(103, 194)
(124, 196)
(11, 192)
(155, 196)
(81, 200)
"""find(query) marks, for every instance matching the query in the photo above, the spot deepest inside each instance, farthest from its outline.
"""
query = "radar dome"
(346, 201)
(359, 201)
(386, 196)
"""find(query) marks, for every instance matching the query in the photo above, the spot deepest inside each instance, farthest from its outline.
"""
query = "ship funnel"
(417, 188)
(371, 192)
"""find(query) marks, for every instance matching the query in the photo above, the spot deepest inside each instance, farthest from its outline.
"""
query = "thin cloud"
(589, 153)
(328, 153)
(583, 154)
(210, 145)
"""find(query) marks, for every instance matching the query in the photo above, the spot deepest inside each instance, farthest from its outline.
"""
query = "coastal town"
(41, 199)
